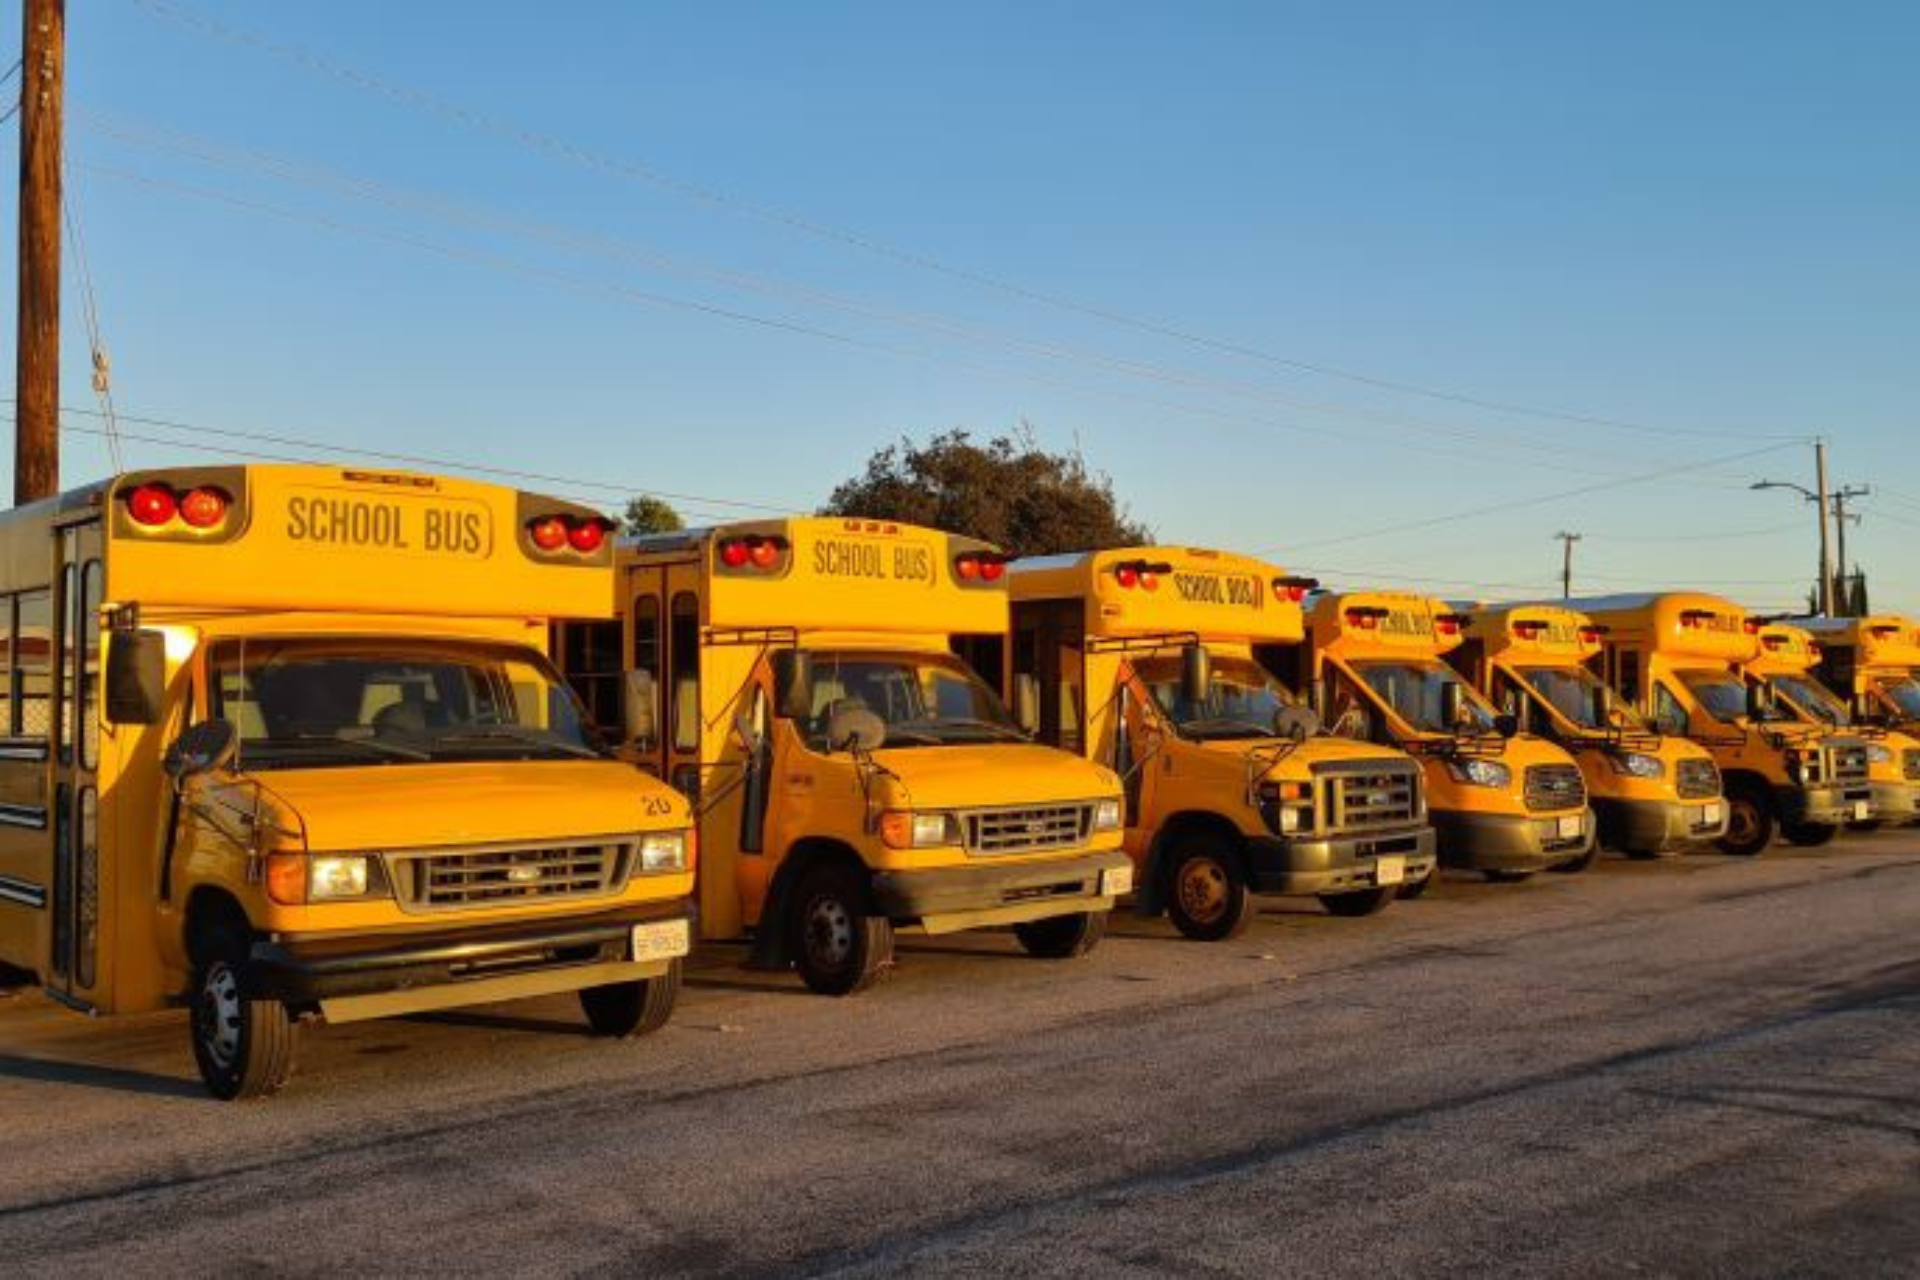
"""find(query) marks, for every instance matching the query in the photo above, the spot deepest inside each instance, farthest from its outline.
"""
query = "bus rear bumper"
(353, 978)
(1509, 842)
(1659, 826)
(1339, 864)
(948, 899)
(1897, 803)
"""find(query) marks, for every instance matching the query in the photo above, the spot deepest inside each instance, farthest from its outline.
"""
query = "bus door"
(80, 884)
(663, 603)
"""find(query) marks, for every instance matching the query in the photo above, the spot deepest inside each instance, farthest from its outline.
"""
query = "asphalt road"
(1692, 1067)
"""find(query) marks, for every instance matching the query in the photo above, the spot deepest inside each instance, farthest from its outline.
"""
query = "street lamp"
(1820, 513)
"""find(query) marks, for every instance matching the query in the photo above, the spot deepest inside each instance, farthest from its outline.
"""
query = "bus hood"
(412, 806)
(1324, 748)
(986, 776)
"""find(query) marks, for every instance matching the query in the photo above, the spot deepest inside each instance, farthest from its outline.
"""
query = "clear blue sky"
(453, 230)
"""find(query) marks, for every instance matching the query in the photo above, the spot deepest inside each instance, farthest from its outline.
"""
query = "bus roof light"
(1127, 575)
(1149, 580)
(549, 533)
(993, 568)
(204, 507)
(587, 536)
(763, 552)
(734, 552)
(967, 567)
(152, 505)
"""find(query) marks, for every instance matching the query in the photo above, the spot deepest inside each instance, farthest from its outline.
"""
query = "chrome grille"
(1697, 779)
(1846, 764)
(443, 880)
(1910, 765)
(1370, 795)
(1554, 786)
(1026, 829)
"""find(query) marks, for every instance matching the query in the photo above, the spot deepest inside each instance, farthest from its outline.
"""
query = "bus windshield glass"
(1241, 702)
(1724, 695)
(925, 699)
(317, 703)
(1812, 698)
(1576, 693)
(1905, 694)
(1414, 691)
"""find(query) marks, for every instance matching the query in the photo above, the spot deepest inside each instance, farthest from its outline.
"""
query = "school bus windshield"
(317, 703)
(1724, 695)
(1905, 693)
(925, 699)
(1813, 698)
(1241, 700)
(1414, 691)
(1576, 693)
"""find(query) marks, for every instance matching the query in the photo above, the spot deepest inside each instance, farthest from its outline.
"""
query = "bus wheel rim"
(1742, 821)
(829, 931)
(219, 1015)
(1203, 888)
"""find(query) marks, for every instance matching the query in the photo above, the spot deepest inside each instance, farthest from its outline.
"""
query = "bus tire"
(1749, 821)
(623, 1010)
(1808, 835)
(1207, 895)
(1062, 937)
(1364, 903)
(839, 945)
(244, 1048)
(1867, 825)
(1507, 877)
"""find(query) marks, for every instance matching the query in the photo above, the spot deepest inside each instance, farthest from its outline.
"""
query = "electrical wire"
(90, 310)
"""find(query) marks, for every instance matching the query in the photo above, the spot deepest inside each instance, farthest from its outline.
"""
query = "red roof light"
(549, 533)
(152, 505)
(587, 536)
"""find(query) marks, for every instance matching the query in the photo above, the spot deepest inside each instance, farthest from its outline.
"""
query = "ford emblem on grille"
(523, 875)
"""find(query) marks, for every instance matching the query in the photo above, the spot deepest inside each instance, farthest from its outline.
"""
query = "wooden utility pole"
(1820, 505)
(43, 67)
(1566, 563)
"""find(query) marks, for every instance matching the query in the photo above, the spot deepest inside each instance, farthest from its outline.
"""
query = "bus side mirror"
(136, 677)
(1196, 674)
(1026, 703)
(792, 684)
(1506, 724)
(203, 748)
(641, 705)
(1453, 703)
(1602, 706)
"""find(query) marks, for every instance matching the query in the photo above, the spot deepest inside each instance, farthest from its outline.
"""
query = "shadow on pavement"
(88, 1075)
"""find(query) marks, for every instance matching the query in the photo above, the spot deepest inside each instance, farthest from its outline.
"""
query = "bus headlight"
(904, 829)
(1636, 764)
(1481, 773)
(1878, 753)
(663, 851)
(1287, 807)
(333, 877)
(1106, 815)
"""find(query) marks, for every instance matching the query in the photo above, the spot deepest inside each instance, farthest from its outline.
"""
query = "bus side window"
(1626, 675)
(32, 658)
(591, 659)
(8, 726)
(683, 645)
(1669, 716)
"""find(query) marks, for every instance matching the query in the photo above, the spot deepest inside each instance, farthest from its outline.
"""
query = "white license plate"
(1709, 814)
(1572, 826)
(667, 940)
(1859, 810)
(1115, 881)
(1389, 870)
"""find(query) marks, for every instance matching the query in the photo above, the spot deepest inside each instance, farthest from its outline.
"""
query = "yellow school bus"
(1679, 658)
(801, 681)
(1150, 659)
(1651, 794)
(282, 744)
(1785, 660)
(1874, 663)
(1503, 803)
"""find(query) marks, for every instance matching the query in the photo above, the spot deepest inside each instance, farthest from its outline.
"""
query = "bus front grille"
(1554, 786)
(1910, 765)
(1375, 795)
(1847, 764)
(1026, 829)
(1697, 779)
(508, 877)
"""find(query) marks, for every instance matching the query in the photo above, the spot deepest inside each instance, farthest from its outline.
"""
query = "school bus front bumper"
(375, 976)
(1827, 805)
(1897, 803)
(1659, 826)
(1340, 864)
(1510, 842)
(948, 899)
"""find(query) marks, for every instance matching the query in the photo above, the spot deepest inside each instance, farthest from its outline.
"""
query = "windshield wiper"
(525, 737)
(968, 722)
(1225, 727)
(391, 750)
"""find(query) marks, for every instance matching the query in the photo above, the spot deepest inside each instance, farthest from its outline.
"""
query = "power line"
(553, 146)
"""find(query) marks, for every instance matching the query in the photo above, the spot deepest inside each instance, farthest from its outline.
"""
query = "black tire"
(1507, 877)
(1063, 937)
(623, 1010)
(1364, 903)
(1808, 835)
(244, 1048)
(1414, 888)
(839, 945)
(1207, 895)
(1749, 821)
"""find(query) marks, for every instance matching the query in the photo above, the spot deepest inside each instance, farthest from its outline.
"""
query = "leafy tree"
(648, 514)
(1008, 491)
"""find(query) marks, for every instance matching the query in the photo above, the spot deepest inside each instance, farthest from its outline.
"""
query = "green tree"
(1008, 491)
(648, 514)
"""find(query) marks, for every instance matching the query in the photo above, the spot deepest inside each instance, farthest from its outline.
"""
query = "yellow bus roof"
(1692, 624)
(1385, 624)
(832, 573)
(1144, 591)
(1536, 632)
(328, 539)
(1784, 650)
(1884, 640)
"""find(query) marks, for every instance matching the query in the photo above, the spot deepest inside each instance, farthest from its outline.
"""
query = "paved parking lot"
(1678, 1067)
